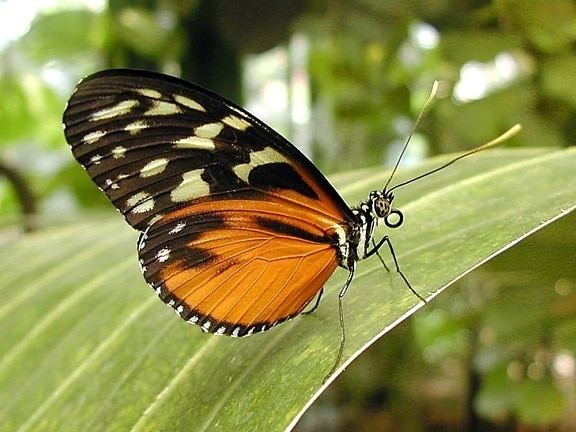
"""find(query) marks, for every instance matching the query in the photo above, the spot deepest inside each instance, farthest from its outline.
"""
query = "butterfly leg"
(374, 250)
(316, 303)
(341, 318)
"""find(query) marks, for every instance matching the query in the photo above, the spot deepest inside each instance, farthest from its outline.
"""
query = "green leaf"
(86, 344)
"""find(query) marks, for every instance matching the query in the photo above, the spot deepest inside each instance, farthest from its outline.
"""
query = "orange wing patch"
(239, 271)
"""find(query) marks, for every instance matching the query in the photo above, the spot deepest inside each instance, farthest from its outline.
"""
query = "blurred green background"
(344, 80)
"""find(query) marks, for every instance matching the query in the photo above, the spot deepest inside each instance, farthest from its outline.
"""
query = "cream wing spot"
(93, 137)
(154, 167)
(120, 109)
(191, 187)
(236, 122)
(189, 103)
(111, 184)
(140, 202)
(209, 130)
(96, 159)
(243, 171)
(179, 227)
(146, 206)
(266, 155)
(195, 143)
(163, 108)
(136, 127)
(118, 152)
(137, 198)
(151, 93)
(163, 255)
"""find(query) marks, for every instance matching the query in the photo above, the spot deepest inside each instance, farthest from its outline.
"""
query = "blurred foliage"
(493, 347)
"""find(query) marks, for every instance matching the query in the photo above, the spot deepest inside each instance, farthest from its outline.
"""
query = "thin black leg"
(316, 303)
(386, 240)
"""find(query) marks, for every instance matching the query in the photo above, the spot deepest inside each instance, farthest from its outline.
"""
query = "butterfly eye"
(381, 204)
(394, 218)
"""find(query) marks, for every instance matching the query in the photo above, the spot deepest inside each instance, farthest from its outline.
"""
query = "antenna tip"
(514, 130)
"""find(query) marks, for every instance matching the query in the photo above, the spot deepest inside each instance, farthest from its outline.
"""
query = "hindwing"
(239, 270)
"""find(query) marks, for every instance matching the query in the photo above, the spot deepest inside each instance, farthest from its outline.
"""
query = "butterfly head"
(380, 204)
(360, 242)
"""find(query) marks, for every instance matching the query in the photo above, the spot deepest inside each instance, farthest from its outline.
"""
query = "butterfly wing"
(239, 227)
(236, 271)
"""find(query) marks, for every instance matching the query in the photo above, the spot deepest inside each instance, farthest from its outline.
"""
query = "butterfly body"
(239, 230)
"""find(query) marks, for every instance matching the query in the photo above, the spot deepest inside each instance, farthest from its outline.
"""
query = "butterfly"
(239, 231)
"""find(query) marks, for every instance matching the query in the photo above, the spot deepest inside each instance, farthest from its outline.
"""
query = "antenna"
(513, 131)
(416, 123)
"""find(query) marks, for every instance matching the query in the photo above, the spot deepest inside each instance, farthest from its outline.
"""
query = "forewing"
(156, 144)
